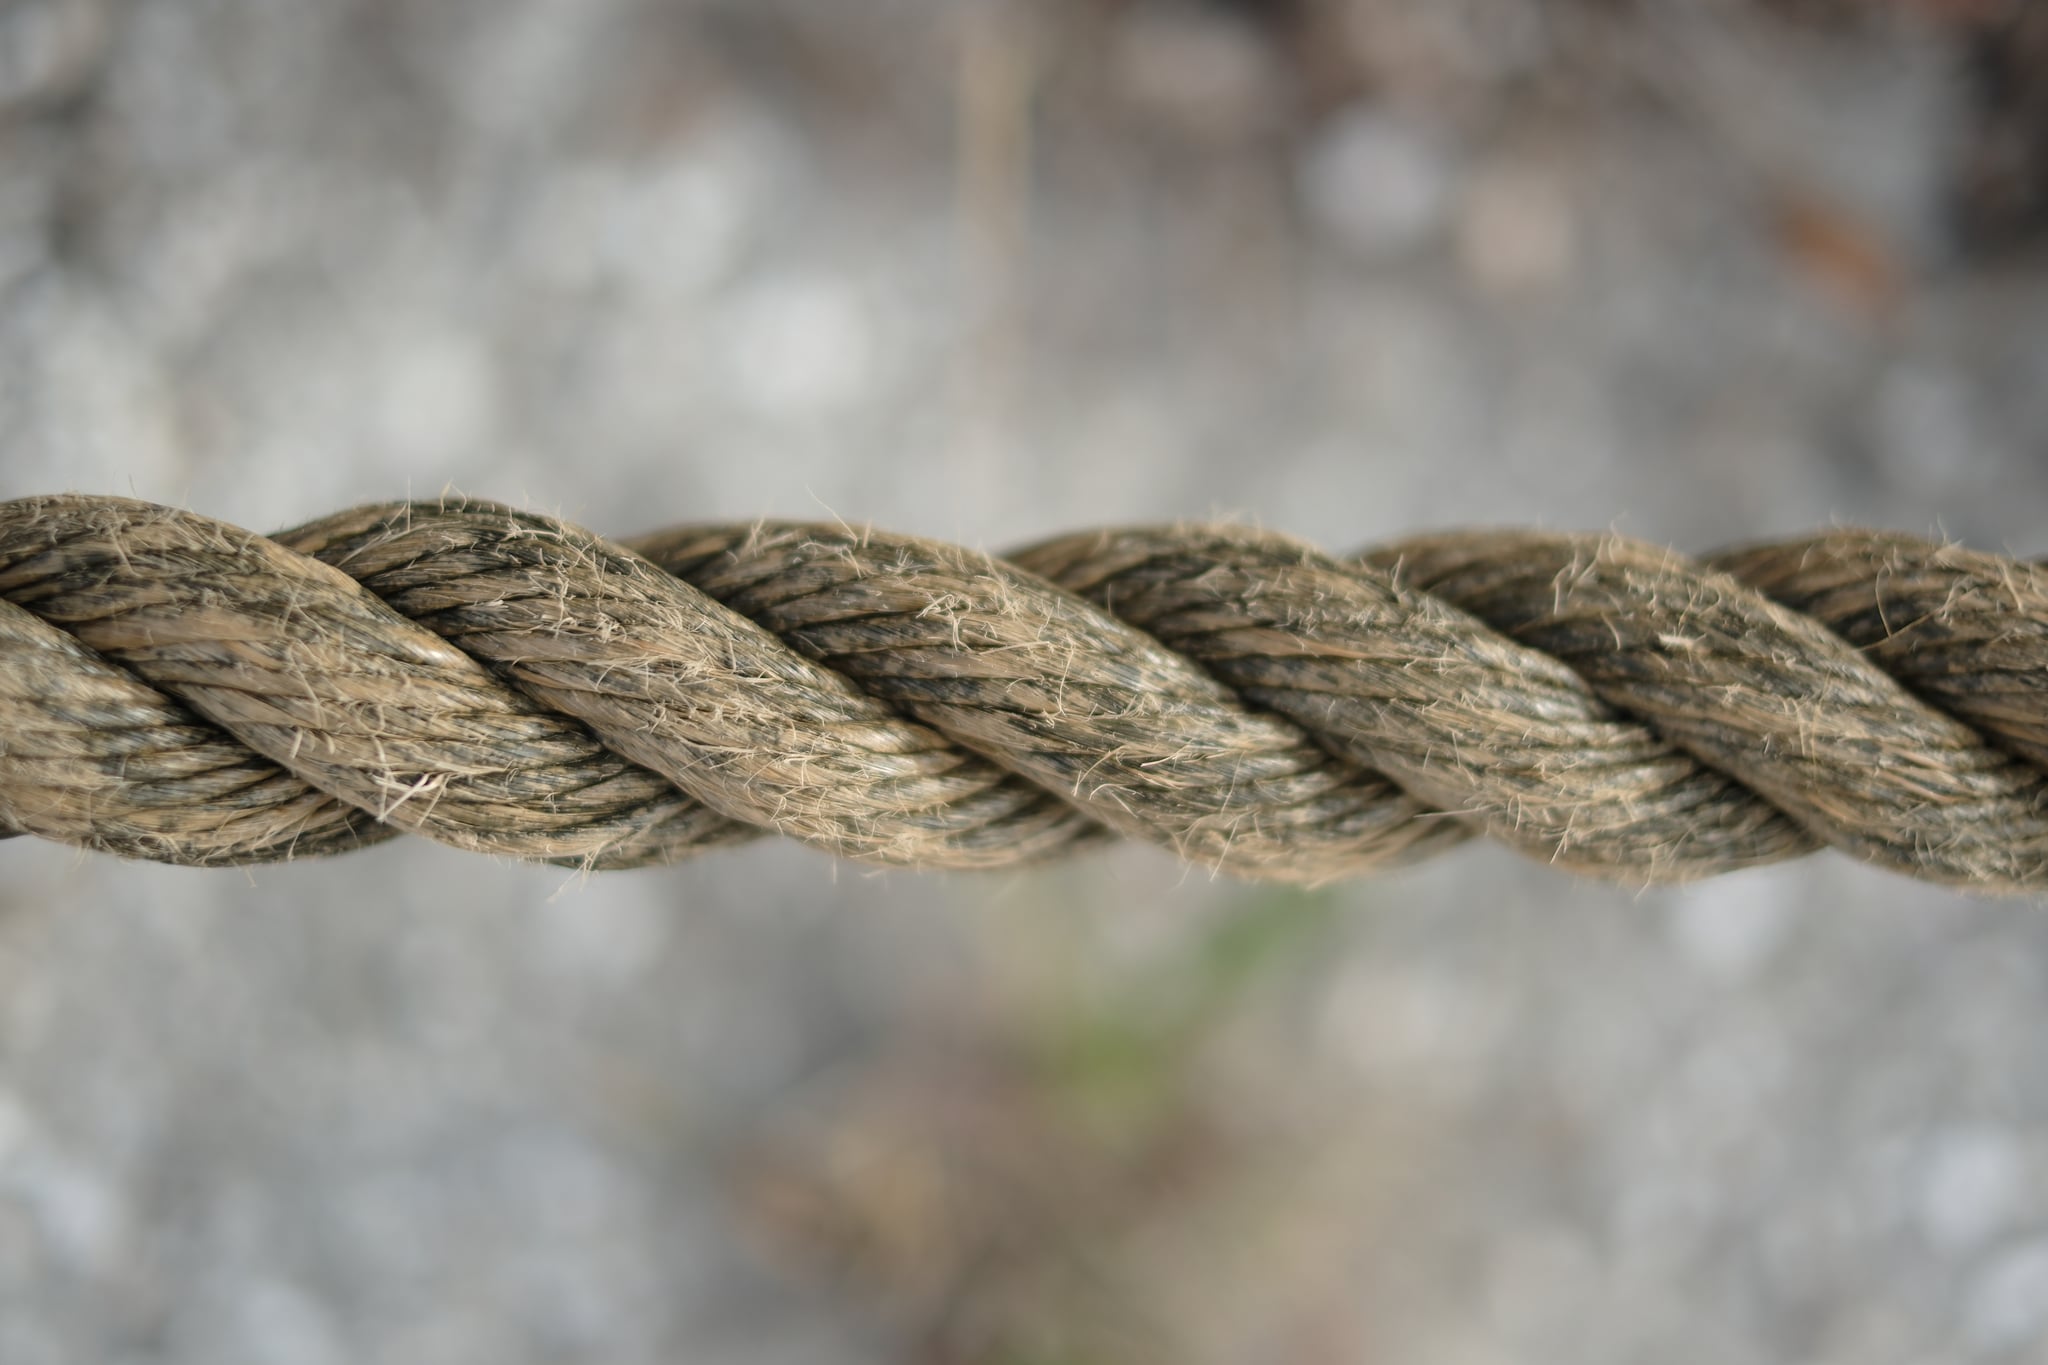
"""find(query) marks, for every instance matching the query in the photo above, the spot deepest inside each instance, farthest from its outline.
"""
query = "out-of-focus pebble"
(1376, 182)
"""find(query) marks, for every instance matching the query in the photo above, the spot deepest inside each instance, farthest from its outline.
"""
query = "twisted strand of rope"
(176, 688)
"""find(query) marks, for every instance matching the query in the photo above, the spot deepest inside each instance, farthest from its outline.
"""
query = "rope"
(178, 689)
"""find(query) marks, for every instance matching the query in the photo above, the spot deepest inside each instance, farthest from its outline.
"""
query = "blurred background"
(985, 271)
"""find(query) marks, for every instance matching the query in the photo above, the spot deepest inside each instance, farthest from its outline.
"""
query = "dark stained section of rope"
(178, 689)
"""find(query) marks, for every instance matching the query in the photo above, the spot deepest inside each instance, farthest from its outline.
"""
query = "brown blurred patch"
(1838, 253)
(1077, 1177)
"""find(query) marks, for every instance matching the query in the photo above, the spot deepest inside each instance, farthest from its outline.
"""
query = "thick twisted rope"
(175, 688)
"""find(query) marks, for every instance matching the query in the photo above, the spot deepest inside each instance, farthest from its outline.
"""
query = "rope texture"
(178, 689)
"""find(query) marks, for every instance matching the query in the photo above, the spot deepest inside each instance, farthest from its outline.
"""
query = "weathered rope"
(175, 688)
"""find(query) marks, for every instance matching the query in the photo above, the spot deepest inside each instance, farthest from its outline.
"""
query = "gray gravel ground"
(986, 273)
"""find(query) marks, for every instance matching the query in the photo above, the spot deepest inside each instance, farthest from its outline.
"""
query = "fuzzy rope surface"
(179, 689)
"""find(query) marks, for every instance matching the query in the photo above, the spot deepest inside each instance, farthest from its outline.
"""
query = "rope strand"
(178, 689)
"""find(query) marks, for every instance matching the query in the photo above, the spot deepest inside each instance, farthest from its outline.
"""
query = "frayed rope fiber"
(175, 688)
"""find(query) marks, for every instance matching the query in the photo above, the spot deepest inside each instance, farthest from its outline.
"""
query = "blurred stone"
(1924, 423)
(2008, 1304)
(1971, 1182)
(1858, 121)
(1376, 182)
(1731, 927)
(437, 393)
(1198, 68)
(50, 50)
(1517, 227)
(275, 1320)
(1447, 43)
(797, 346)
(665, 227)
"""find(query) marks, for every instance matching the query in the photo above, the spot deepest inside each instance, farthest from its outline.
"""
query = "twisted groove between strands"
(175, 688)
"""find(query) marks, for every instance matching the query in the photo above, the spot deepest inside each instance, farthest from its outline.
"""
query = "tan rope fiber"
(175, 688)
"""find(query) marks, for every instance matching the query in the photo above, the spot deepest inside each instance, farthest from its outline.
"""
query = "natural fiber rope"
(175, 688)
